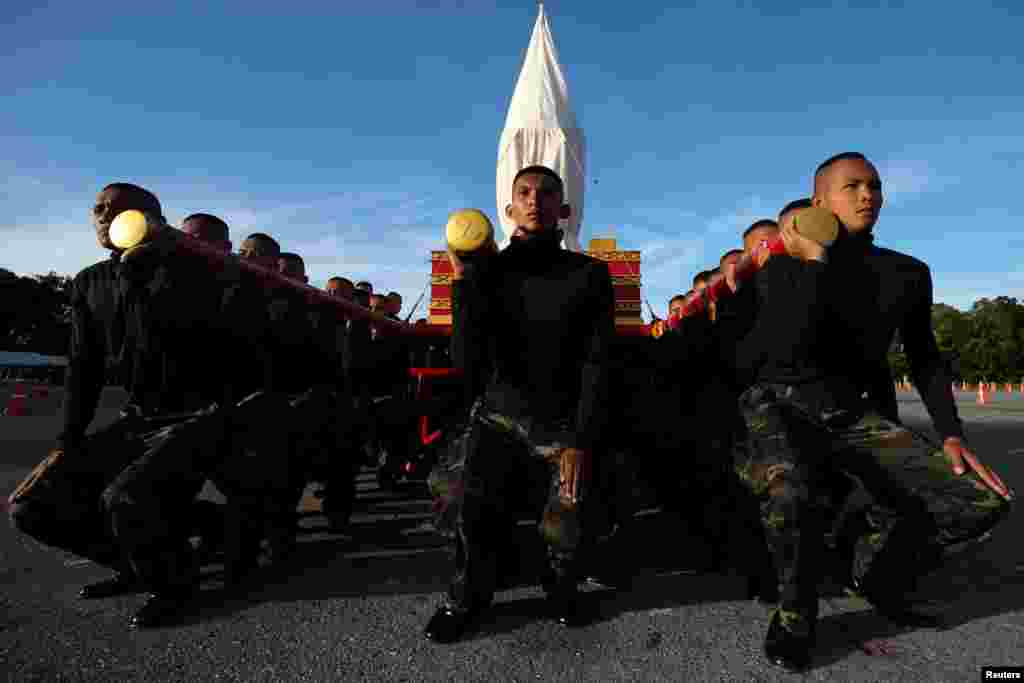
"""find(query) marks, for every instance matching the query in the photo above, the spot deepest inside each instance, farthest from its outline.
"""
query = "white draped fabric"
(541, 129)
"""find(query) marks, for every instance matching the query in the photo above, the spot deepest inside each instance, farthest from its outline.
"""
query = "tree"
(35, 313)
(994, 350)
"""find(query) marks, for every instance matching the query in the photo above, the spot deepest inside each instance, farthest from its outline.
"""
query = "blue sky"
(350, 130)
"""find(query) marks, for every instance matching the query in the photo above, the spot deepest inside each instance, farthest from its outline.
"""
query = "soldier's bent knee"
(27, 518)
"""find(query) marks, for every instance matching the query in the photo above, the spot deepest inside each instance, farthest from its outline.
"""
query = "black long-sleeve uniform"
(877, 291)
(533, 328)
(774, 333)
(97, 335)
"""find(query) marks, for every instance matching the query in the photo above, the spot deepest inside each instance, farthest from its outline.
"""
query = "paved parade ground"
(353, 607)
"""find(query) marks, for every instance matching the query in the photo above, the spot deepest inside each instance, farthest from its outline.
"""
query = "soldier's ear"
(508, 211)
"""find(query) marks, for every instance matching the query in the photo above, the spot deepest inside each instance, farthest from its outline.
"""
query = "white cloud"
(903, 180)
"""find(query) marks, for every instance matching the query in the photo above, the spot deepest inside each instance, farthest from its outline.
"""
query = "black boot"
(763, 588)
(570, 609)
(450, 623)
(121, 583)
(786, 646)
(566, 605)
(898, 610)
(162, 609)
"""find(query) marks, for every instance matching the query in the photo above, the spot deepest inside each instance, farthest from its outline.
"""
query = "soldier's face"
(852, 190)
(340, 289)
(207, 232)
(536, 204)
(725, 260)
(292, 269)
(757, 236)
(259, 252)
(109, 203)
(676, 307)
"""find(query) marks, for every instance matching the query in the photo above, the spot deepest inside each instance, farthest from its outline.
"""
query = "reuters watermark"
(1002, 673)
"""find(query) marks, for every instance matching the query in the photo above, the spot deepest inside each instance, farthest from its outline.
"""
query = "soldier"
(292, 266)
(149, 465)
(341, 287)
(729, 258)
(262, 249)
(805, 417)
(209, 229)
(395, 305)
(675, 304)
(63, 508)
(927, 496)
(532, 334)
(758, 232)
(392, 358)
(792, 208)
(773, 341)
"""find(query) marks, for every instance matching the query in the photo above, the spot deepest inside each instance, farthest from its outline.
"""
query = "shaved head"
(259, 245)
(731, 256)
(758, 232)
(118, 197)
(340, 287)
(292, 266)
(849, 186)
(208, 228)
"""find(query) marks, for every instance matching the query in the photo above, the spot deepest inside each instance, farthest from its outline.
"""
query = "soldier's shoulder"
(100, 270)
(901, 261)
(581, 260)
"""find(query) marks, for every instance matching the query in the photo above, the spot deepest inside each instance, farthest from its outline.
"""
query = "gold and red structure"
(623, 265)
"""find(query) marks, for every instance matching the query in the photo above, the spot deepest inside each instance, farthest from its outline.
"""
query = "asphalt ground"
(353, 607)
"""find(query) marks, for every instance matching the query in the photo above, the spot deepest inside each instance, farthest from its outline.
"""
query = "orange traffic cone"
(982, 399)
(16, 405)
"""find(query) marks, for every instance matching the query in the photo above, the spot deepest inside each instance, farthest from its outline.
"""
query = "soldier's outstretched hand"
(957, 453)
(573, 467)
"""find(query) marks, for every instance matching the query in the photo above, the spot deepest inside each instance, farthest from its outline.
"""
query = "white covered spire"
(541, 129)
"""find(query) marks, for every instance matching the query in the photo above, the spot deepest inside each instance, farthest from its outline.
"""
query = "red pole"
(184, 244)
(717, 287)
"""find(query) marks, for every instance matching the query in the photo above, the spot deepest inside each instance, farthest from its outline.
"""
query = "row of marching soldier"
(230, 380)
(770, 406)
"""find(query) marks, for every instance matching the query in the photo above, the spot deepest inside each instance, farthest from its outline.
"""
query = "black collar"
(542, 243)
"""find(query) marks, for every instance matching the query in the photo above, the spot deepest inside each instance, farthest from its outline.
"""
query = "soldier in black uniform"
(392, 358)
(532, 334)
(341, 287)
(208, 228)
(926, 496)
(261, 248)
(816, 351)
(323, 423)
(63, 508)
(791, 209)
(149, 465)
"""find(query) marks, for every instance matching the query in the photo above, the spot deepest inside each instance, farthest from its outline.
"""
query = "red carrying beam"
(172, 242)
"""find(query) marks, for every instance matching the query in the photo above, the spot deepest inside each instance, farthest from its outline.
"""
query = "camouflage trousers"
(499, 470)
(124, 498)
(919, 507)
